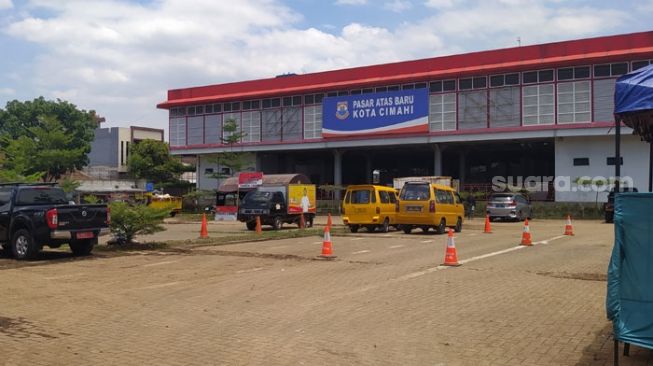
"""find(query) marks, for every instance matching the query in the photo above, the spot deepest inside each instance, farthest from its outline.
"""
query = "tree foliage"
(150, 160)
(127, 221)
(45, 138)
(234, 160)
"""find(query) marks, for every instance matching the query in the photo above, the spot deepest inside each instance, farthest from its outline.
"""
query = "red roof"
(576, 52)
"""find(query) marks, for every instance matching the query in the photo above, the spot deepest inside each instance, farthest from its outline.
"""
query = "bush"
(127, 220)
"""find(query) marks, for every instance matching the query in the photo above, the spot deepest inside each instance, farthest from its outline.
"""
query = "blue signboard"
(404, 111)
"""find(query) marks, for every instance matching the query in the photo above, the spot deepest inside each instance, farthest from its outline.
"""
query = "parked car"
(512, 206)
(424, 205)
(369, 206)
(608, 207)
(36, 215)
(278, 204)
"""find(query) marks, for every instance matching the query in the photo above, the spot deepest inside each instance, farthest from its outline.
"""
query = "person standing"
(471, 205)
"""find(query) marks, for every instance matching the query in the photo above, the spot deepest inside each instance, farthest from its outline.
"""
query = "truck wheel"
(440, 229)
(23, 246)
(353, 228)
(459, 225)
(386, 225)
(251, 225)
(407, 229)
(82, 247)
(276, 223)
(609, 217)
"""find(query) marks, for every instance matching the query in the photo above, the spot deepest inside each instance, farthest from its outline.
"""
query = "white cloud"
(351, 2)
(439, 4)
(7, 91)
(6, 4)
(398, 6)
(120, 58)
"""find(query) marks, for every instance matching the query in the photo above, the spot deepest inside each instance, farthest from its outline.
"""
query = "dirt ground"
(383, 300)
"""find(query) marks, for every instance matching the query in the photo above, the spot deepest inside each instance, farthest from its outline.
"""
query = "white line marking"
(317, 242)
(426, 241)
(250, 270)
(354, 239)
(386, 236)
(472, 234)
(159, 263)
(396, 246)
(158, 286)
(361, 252)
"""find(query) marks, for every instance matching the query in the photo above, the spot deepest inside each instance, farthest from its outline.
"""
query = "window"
(442, 112)
(297, 100)
(608, 70)
(208, 109)
(235, 106)
(360, 197)
(569, 73)
(480, 82)
(271, 103)
(292, 123)
(195, 130)
(191, 111)
(443, 196)
(383, 197)
(415, 192)
(178, 132)
(382, 89)
(442, 86)
(251, 126)
(208, 171)
(537, 105)
(472, 109)
(213, 129)
(465, 84)
(504, 107)
(199, 109)
(581, 161)
(235, 117)
(393, 198)
(408, 86)
(356, 92)
(217, 108)
(393, 88)
(271, 125)
(640, 64)
(313, 122)
(611, 160)
(574, 102)
(541, 76)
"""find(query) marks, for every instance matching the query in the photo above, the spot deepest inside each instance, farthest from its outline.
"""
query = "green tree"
(48, 148)
(18, 118)
(151, 160)
(128, 221)
(234, 160)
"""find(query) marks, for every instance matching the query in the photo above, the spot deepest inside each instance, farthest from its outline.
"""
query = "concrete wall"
(635, 155)
(104, 148)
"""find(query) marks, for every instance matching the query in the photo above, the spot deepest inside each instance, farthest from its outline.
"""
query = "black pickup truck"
(35, 215)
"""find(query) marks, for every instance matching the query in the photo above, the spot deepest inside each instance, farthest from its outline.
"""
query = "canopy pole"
(617, 154)
(650, 166)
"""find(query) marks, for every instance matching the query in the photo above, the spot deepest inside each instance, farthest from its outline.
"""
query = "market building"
(505, 115)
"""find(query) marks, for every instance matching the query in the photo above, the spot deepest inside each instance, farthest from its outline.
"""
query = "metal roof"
(231, 184)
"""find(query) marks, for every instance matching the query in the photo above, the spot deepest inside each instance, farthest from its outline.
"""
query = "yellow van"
(369, 206)
(425, 205)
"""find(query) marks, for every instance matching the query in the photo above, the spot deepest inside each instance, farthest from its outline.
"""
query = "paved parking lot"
(383, 300)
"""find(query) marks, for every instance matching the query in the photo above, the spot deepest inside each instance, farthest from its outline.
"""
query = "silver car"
(512, 206)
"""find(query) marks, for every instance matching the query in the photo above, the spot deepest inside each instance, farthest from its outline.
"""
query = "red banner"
(250, 179)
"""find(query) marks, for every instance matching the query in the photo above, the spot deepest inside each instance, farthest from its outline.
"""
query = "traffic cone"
(259, 229)
(569, 230)
(329, 223)
(302, 221)
(327, 248)
(488, 228)
(450, 256)
(204, 233)
(526, 235)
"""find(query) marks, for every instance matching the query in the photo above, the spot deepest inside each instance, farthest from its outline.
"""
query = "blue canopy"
(634, 91)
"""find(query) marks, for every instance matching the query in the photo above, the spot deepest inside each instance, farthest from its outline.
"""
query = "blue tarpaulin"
(634, 91)
(629, 301)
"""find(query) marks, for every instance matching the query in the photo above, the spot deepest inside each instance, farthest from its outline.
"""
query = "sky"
(120, 57)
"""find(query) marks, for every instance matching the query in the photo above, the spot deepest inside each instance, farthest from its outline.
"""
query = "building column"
(337, 171)
(368, 168)
(461, 168)
(437, 160)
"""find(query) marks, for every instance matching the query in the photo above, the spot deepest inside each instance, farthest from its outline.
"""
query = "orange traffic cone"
(327, 248)
(488, 228)
(204, 233)
(329, 223)
(302, 222)
(569, 230)
(259, 229)
(450, 256)
(526, 235)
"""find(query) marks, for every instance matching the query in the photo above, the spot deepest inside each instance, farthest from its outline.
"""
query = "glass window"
(408, 87)
(420, 85)
(480, 82)
(208, 109)
(449, 85)
(566, 74)
(319, 98)
(512, 79)
(235, 117)
(195, 130)
(581, 161)
(382, 89)
(415, 192)
(178, 131)
(393, 197)
(640, 64)
(435, 86)
(497, 80)
(287, 101)
(530, 77)
(393, 88)
(383, 197)
(309, 99)
(343, 93)
(545, 75)
(271, 125)
(247, 105)
(574, 102)
(292, 124)
(297, 100)
(199, 109)
(619, 69)
(505, 107)
(610, 160)
(360, 197)
(213, 129)
(537, 105)
(367, 91)
(275, 102)
(465, 84)
(251, 126)
(267, 103)
(226, 107)
(581, 72)
(601, 70)
(442, 112)
(313, 122)
(191, 110)
(472, 109)
(356, 92)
